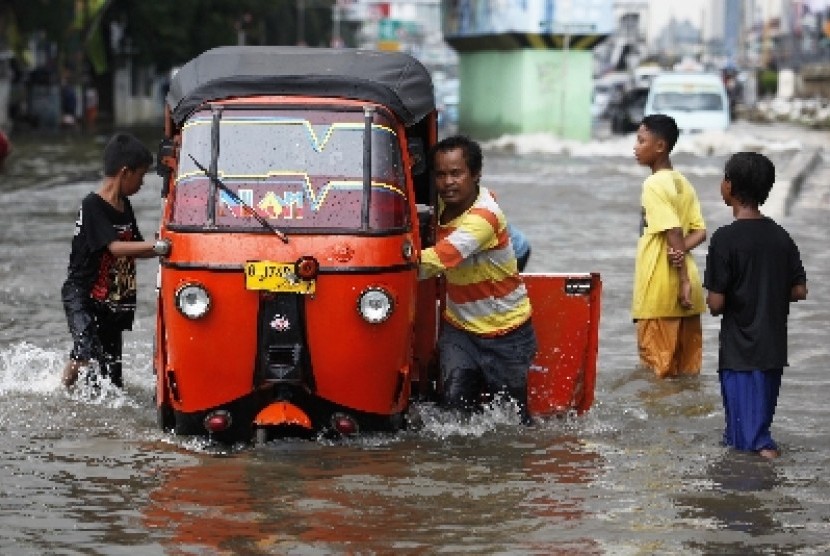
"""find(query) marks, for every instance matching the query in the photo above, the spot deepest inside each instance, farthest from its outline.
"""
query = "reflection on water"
(397, 494)
(734, 497)
(642, 473)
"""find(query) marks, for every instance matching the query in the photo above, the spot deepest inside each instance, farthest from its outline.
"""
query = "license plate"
(276, 277)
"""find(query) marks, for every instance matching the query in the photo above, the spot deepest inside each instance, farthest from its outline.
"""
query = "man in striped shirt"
(487, 342)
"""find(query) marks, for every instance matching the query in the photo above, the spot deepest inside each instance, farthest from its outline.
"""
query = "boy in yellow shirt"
(668, 297)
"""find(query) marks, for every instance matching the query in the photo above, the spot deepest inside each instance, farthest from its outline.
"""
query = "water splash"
(28, 369)
(25, 367)
(736, 138)
(93, 389)
(435, 421)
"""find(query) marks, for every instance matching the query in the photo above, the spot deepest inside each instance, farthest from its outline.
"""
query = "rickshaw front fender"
(282, 414)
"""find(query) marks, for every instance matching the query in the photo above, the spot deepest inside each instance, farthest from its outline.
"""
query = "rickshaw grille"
(283, 363)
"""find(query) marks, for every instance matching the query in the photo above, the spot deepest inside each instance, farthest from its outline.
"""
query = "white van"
(696, 101)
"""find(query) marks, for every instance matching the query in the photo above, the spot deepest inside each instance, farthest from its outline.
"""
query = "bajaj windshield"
(301, 170)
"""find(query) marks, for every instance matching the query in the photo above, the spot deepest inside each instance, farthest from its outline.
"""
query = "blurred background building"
(498, 66)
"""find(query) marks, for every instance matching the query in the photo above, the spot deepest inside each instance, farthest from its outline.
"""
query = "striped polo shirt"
(485, 294)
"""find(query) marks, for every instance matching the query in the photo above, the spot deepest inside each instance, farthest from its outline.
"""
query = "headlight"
(193, 301)
(375, 305)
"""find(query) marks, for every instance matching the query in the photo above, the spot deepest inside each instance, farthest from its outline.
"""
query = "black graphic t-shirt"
(92, 268)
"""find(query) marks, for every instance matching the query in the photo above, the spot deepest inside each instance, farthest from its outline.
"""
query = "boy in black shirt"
(99, 293)
(753, 272)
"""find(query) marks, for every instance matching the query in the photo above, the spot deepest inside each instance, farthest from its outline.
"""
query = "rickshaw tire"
(188, 425)
(165, 417)
(398, 421)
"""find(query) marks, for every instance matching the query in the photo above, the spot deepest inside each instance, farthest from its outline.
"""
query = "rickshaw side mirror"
(165, 163)
(417, 156)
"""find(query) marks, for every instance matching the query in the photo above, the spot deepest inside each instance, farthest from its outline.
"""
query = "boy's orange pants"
(671, 346)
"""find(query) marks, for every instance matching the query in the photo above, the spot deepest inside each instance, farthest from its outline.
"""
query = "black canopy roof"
(393, 79)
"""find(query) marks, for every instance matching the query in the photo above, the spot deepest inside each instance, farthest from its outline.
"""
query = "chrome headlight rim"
(192, 300)
(407, 250)
(374, 314)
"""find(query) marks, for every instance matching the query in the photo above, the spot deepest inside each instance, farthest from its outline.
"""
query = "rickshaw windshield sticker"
(288, 170)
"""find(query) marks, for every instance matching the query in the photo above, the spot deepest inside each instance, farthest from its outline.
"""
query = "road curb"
(787, 187)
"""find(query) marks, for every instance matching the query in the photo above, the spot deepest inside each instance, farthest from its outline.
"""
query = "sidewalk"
(790, 180)
(814, 188)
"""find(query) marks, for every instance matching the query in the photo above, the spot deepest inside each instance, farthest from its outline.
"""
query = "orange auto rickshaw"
(296, 204)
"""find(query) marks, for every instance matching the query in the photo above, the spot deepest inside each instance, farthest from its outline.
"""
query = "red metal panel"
(566, 311)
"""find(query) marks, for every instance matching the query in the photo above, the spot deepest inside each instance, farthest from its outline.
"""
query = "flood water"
(642, 473)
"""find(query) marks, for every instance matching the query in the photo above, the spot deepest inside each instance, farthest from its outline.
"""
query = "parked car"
(696, 101)
(644, 75)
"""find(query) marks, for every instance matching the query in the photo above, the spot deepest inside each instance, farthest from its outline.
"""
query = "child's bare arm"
(692, 240)
(716, 303)
(139, 249)
(798, 292)
(674, 237)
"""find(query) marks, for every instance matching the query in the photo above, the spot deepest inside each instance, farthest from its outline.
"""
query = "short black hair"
(751, 175)
(664, 127)
(124, 149)
(470, 149)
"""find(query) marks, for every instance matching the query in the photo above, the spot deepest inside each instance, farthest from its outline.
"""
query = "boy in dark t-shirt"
(99, 293)
(753, 272)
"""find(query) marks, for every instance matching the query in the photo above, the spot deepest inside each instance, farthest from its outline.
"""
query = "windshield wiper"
(235, 197)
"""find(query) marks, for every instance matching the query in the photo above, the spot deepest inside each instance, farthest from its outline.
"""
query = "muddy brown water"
(642, 473)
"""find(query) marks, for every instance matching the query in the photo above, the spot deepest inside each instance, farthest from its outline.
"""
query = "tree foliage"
(170, 32)
(51, 20)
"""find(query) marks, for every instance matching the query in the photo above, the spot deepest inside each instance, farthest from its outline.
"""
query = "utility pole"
(301, 23)
(336, 40)
(85, 77)
(564, 99)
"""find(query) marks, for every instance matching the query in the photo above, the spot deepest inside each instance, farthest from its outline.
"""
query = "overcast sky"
(661, 11)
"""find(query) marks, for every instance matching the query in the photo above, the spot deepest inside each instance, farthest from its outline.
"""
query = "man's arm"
(474, 234)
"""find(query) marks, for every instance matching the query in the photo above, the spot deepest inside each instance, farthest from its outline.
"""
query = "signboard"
(389, 29)
(467, 18)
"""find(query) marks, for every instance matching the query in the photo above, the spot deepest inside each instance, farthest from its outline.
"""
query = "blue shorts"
(472, 364)
(749, 400)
